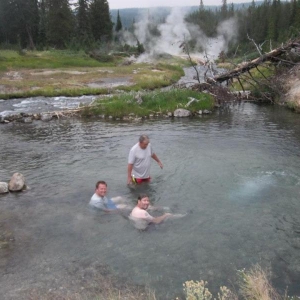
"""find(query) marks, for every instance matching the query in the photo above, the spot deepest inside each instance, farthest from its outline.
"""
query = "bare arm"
(154, 156)
(111, 211)
(129, 170)
(160, 219)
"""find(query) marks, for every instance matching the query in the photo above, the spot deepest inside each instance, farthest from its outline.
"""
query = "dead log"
(270, 56)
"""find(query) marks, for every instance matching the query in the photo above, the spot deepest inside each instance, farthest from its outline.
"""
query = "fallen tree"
(273, 56)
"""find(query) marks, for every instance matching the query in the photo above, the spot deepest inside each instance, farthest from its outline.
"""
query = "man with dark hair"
(139, 161)
(100, 201)
(141, 217)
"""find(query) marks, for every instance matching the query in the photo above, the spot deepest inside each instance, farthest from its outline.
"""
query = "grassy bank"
(253, 284)
(66, 73)
(149, 104)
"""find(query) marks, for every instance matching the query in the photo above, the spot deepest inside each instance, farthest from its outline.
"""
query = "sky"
(113, 4)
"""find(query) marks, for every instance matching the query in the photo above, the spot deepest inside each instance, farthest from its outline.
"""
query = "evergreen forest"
(88, 24)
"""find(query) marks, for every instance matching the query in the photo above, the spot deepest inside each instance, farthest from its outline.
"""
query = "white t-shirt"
(99, 202)
(139, 213)
(140, 218)
(141, 160)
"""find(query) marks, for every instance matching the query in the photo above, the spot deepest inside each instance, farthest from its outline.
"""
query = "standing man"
(141, 217)
(139, 161)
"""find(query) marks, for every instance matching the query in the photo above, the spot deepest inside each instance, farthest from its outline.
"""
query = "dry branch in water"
(270, 56)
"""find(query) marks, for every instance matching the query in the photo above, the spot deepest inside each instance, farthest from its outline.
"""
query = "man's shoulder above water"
(141, 214)
(98, 201)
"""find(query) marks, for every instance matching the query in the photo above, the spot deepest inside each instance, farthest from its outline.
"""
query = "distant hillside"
(129, 15)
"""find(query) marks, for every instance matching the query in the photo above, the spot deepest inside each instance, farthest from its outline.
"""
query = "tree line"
(266, 23)
(39, 24)
(54, 23)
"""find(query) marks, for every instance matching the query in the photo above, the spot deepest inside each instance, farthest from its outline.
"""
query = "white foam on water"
(27, 102)
(252, 187)
(6, 113)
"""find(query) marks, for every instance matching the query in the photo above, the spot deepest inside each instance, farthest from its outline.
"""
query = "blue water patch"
(262, 185)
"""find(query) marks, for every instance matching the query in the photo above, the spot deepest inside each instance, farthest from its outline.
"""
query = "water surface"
(235, 172)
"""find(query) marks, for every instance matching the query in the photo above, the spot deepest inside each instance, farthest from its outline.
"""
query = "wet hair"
(100, 182)
(141, 196)
(143, 137)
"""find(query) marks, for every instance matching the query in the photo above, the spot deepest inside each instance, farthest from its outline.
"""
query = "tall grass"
(255, 285)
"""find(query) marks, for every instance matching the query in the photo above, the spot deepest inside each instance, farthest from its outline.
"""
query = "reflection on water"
(236, 173)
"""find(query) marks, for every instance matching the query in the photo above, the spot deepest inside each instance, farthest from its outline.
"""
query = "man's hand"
(129, 180)
(160, 164)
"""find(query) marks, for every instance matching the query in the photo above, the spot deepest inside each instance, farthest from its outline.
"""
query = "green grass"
(47, 59)
(152, 103)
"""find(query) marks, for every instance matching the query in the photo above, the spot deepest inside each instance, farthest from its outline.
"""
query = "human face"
(101, 190)
(144, 203)
(144, 144)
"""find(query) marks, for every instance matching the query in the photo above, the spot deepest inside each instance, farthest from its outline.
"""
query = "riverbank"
(291, 84)
(61, 73)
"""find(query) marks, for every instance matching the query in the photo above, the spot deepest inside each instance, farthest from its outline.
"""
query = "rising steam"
(167, 38)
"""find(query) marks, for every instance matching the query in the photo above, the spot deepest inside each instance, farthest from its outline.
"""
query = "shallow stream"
(236, 173)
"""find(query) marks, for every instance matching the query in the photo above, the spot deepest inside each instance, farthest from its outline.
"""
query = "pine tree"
(119, 23)
(295, 22)
(59, 22)
(20, 22)
(273, 20)
(224, 10)
(101, 23)
(201, 7)
(42, 38)
(83, 31)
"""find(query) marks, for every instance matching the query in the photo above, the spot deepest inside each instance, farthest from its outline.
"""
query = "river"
(235, 172)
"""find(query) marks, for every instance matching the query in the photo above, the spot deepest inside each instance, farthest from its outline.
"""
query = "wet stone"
(3, 188)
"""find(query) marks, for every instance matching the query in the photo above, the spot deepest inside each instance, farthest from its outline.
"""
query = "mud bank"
(291, 82)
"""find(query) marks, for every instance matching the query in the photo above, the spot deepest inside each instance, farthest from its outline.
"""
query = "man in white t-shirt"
(141, 217)
(139, 161)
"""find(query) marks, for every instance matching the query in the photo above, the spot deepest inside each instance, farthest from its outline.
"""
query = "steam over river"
(236, 173)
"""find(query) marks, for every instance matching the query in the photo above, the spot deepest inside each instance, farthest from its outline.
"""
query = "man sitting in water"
(99, 199)
(141, 217)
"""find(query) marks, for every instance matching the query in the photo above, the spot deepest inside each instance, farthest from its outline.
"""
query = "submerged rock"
(46, 117)
(180, 112)
(16, 183)
(3, 188)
